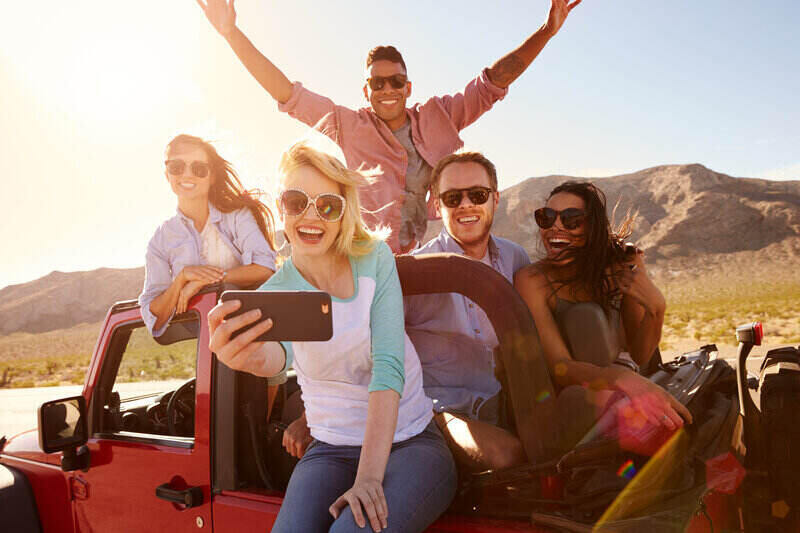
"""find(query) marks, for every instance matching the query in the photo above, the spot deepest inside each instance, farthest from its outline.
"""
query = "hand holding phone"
(264, 359)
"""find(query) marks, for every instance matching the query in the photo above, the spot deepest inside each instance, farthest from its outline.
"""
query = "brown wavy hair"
(227, 193)
(591, 266)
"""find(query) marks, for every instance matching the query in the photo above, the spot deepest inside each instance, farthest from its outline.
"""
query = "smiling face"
(468, 224)
(310, 235)
(388, 103)
(557, 238)
(186, 185)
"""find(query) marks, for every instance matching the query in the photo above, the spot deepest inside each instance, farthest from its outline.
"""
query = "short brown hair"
(463, 157)
(389, 53)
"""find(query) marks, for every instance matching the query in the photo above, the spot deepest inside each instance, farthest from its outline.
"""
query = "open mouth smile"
(558, 243)
(310, 234)
(468, 219)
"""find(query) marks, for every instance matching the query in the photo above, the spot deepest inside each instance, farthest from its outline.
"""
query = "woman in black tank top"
(598, 313)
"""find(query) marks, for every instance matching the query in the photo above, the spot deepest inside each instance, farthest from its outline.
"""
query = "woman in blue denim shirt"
(220, 232)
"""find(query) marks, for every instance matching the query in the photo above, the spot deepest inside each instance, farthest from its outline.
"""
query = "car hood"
(25, 445)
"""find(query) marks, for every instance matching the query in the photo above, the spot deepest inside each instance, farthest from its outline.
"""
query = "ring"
(634, 267)
(664, 417)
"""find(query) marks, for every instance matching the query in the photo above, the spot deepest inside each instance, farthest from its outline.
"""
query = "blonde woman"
(376, 459)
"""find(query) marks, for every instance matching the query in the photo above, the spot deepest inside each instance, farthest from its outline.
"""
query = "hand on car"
(297, 437)
(241, 353)
(186, 294)
(559, 9)
(205, 273)
(221, 14)
(654, 403)
(366, 494)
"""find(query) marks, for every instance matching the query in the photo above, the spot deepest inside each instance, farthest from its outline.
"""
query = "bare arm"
(367, 491)
(222, 15)
(509, 67)
(251, 275)
(654, 402)
(566, 371)
(643, 308)
(165, 303)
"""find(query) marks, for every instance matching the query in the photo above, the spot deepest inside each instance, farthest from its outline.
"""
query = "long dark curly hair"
(590, 268)
(227, 193)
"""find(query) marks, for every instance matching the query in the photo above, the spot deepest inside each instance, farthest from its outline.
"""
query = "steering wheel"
(180, 410)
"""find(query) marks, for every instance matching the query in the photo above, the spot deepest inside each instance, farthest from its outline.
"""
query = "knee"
(510, 453)
(588, 334)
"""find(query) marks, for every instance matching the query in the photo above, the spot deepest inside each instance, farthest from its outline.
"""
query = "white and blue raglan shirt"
(369, 351)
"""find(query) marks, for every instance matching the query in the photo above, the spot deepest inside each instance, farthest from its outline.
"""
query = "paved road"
(18, 406)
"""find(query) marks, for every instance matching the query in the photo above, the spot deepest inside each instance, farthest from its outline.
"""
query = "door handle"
(190, 497)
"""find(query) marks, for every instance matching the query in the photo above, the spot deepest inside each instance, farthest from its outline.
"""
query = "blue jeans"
(419, 483)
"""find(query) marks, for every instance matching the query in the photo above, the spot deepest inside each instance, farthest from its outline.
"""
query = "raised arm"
(509, 67)
(222, 15)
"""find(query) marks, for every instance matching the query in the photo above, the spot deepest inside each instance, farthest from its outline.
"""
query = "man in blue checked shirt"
(453, 336)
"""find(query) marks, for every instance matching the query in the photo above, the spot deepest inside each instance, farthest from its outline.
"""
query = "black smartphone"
(296, 315)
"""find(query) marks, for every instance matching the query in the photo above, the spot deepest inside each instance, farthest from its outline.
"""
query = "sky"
(92, 90)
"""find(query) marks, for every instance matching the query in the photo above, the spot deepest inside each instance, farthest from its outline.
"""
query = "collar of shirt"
(214, 215)
(449, 245)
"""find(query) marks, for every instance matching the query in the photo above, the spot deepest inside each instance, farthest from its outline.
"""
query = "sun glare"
(124, 79)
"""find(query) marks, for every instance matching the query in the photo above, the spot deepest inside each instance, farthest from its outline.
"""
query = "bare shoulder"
(531, 281)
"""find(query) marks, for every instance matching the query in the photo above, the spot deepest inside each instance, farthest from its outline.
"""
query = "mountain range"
(690, 221)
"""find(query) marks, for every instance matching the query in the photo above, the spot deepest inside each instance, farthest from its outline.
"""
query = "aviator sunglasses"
(477, 195)
(329, 206)
(177, 167)
(397, 81)
(571, 218)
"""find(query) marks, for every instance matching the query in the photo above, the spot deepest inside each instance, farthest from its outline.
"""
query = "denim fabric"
(419, 483)
(177, 244)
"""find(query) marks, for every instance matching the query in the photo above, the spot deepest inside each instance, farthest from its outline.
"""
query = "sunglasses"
(177, 167)
(397, 81)
(477, 195)
(571, 218)
(329, 206)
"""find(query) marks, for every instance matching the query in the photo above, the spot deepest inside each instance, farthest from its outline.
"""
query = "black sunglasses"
(177, 167)
(571, 217)
(397, 81)
(329, 206)
(477, 195)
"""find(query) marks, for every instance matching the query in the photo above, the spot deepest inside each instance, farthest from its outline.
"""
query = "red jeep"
(206, 455)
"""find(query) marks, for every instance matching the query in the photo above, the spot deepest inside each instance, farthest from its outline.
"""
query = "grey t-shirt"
(414, 213)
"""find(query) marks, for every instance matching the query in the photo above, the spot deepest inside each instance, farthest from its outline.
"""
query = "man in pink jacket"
(406, 142)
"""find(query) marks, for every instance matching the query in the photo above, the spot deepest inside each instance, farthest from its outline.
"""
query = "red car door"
(133, 448)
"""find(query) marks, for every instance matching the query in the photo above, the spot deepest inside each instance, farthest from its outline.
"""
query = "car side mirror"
(62, 428)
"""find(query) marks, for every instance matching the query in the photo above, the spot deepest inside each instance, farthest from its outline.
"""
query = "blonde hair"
(355, 238)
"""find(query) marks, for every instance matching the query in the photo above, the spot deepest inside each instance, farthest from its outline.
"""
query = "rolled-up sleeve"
(251, 241)
(478, 97)
(157, 278)
(387, 326)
